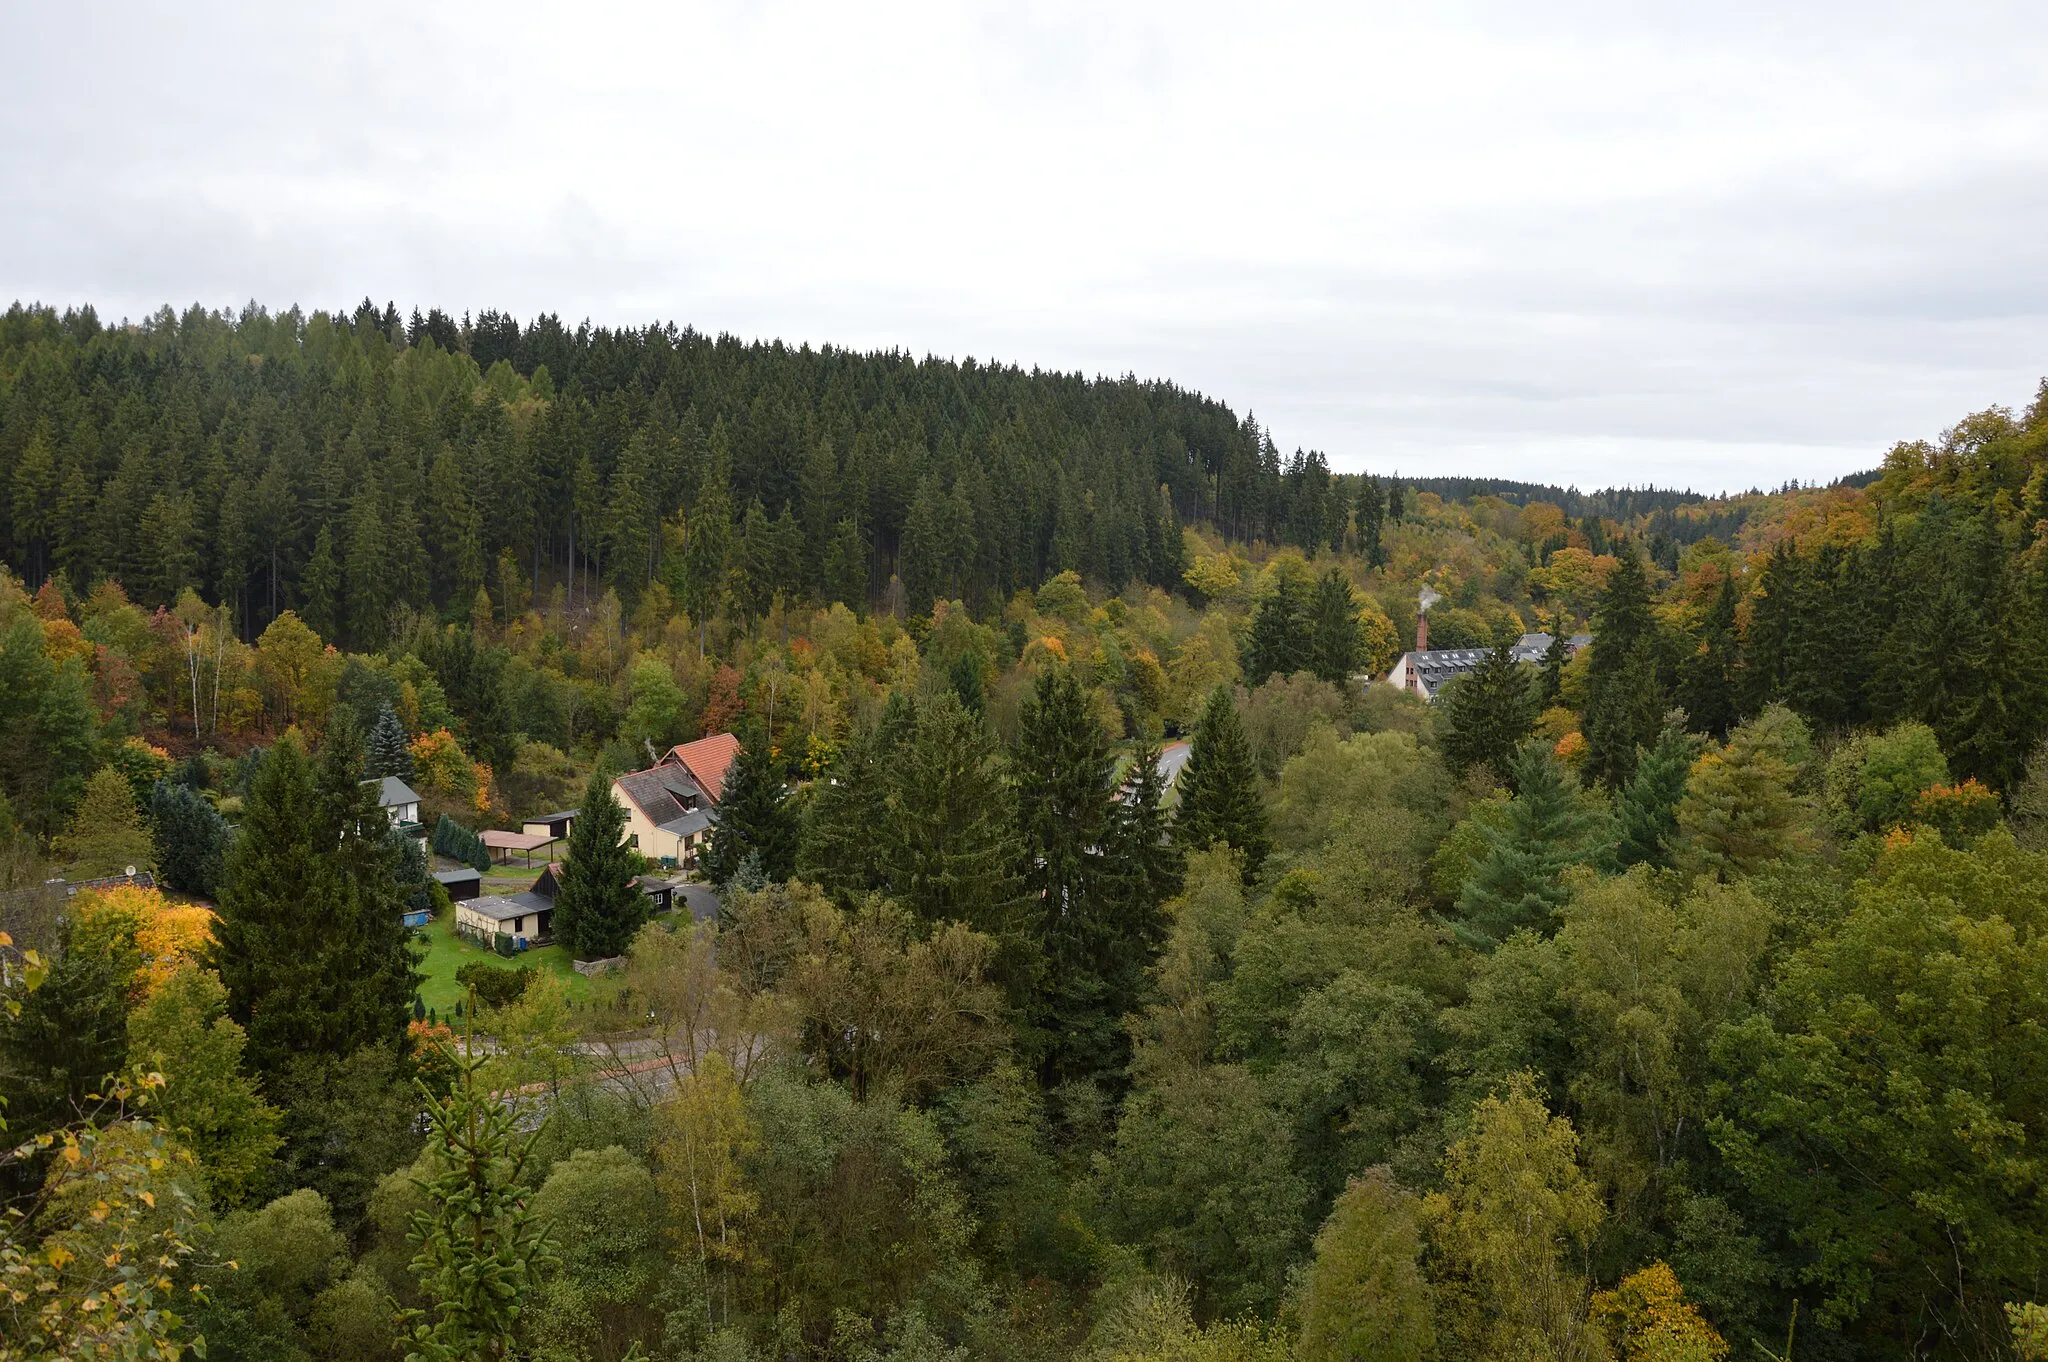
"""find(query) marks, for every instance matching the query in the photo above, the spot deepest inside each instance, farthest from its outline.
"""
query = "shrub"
(495, 986)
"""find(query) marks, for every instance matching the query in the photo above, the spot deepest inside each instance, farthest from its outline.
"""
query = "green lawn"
(447, 953)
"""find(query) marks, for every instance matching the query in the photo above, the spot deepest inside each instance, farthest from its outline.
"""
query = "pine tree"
(1219, 789)
(1334, 642)
(1646, 810)
(598, 908)
(1625, 698)
(1279, 639)
(390, 750)
(753, 815)
(1487, 714)
(481, 1249)
(191, 839)
(1517, 882)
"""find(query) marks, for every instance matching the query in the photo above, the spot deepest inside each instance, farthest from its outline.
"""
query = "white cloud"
(1576, 243)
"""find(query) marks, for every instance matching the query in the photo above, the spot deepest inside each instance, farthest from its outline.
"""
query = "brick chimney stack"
(1422, 632)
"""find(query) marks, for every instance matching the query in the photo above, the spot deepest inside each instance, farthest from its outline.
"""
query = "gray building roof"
(499, 909)
(391, 791)
(696, 820)
(1435, 666)
(457, 876)
(664, 793)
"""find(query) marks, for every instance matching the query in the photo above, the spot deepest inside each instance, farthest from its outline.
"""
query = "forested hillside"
(1682, 998)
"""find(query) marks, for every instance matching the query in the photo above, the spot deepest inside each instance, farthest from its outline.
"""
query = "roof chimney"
(1422, 604)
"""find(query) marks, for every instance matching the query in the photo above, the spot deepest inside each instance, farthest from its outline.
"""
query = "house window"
(633, 840)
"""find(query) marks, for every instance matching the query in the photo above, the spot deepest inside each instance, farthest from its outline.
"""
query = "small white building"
(397, 799)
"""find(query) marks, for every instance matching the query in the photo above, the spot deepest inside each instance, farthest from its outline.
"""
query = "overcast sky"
(1568, 242)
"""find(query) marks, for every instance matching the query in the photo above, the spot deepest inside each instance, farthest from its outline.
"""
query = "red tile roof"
(707, 761)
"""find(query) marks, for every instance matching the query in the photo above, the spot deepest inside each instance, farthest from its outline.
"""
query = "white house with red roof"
(671, 806)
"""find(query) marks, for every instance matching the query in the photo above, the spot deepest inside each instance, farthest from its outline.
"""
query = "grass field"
(447, 953)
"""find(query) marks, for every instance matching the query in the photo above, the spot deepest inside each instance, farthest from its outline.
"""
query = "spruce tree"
(309, 941)
(1148, 863)
(375, 974)
(753, 815)
(1772, 619)
(1334, 642)
(321, 587)
(598, 909)
(66, 739)
(1550, 688)
(1219, 788)
(1646, 810)
(1517, 882)
(840, 849)
(846, 566)
(1707, 680)
(965, 678)
(946, 827)
(1487, 713)
(106, 832)
(480, 1247)
(1279, 639)
(390, 750)
(191, 838)
(1625, 698)
(849, 834)
(1061, 776)
(1372, 514)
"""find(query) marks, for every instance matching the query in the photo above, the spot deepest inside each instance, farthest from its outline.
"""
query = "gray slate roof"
(391, 791)
(1435, 666)
(457, 876)
(664, 793)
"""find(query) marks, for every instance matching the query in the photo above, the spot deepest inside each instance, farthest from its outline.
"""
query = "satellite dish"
(130, 872)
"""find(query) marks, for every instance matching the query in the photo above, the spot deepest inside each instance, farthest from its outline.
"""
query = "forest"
(1681, 997)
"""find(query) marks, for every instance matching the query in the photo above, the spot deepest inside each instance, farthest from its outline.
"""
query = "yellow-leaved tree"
(704, 1134)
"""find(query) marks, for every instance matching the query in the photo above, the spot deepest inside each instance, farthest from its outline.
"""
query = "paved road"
(1172, 757)
(701, 902)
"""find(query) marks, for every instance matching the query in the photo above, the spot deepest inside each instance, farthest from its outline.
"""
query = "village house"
(671, 806)
(399, 800)
(1425, 671)
(528, 917)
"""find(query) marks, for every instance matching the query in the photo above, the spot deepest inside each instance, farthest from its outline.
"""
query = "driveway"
(701, 902)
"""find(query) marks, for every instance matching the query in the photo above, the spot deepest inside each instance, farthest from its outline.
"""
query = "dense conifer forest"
(1105, 961)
